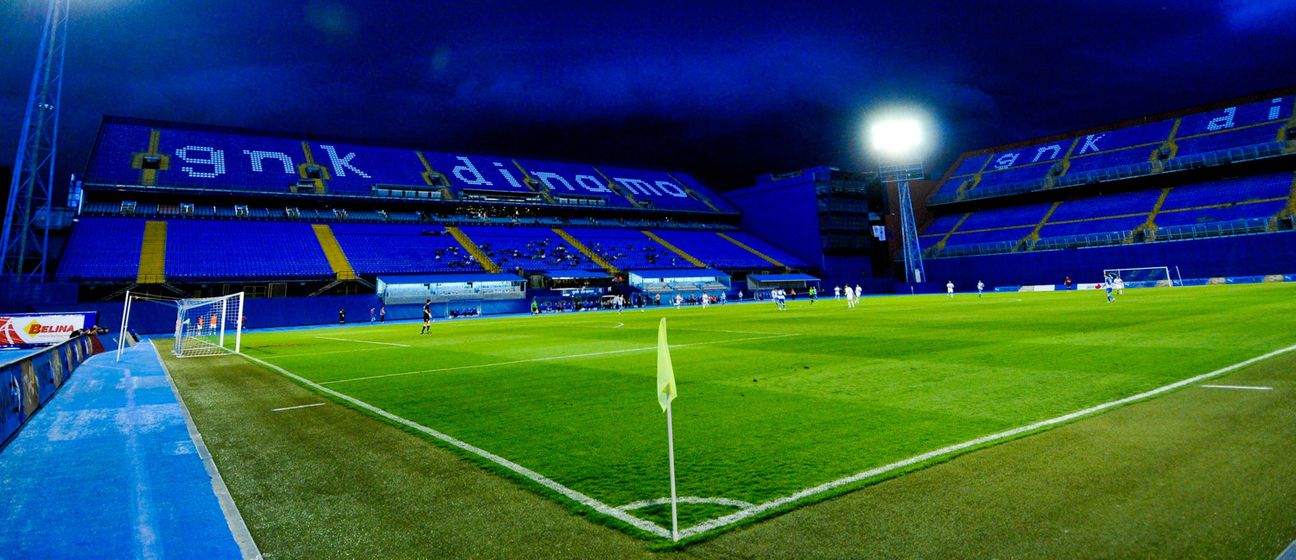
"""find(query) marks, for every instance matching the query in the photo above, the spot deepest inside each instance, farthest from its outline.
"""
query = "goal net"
(1142, 277)
(208, 326)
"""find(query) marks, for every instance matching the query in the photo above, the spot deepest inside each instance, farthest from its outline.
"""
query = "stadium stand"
(103, 249)
(527, 248)
(1229, 134)
(201, 209)
(402, 249)
(217, 250)
(1205, 173)
(713, 250)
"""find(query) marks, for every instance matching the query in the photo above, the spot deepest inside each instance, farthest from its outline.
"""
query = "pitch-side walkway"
(112, 468)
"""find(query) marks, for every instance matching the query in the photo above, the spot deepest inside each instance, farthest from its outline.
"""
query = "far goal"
(203, 326)
(1142, 277)
(208, 326)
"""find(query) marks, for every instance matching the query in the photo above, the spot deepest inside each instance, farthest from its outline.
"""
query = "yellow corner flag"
(665, 372)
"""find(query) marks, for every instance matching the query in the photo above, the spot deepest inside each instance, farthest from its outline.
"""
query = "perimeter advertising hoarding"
(26, 330)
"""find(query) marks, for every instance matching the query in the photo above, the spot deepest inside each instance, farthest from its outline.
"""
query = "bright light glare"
(896, 137)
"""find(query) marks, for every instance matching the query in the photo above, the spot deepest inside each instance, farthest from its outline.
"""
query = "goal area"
(1142, 276)
(203, 326)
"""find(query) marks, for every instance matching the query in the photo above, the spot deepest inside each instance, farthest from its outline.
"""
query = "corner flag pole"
(666, 394)
(670, 442)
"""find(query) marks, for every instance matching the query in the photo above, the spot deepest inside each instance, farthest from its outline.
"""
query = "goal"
(208, 326)
(1143, 277)
(203, 326)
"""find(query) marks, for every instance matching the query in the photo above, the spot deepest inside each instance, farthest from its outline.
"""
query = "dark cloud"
(725, 91)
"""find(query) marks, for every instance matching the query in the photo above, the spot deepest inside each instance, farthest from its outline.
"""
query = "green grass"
(797, 398)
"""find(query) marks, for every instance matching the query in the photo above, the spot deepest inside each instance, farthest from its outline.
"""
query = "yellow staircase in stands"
(1150, 225)
(1029, 241)
(534, 184)
(152, 265)
(938, 246)
(694, 194)
(586, 251)
(753, 251)
(674, 249)
(620, 190)
(333, 252)
(469, 245)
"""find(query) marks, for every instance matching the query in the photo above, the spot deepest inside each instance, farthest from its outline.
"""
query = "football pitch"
(775, 409)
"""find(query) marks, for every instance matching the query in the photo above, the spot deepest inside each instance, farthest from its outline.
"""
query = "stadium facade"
(1209, 191)
(306, 226)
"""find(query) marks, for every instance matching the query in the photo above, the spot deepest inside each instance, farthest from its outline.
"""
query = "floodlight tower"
(25, 241)
(898, 142)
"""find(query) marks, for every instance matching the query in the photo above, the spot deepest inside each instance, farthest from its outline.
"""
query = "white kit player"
(850, 297)
(949, 289)
(980, 288)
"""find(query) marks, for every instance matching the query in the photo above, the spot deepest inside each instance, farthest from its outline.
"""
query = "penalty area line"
(741, 515)
(1243, 387)
(641, 524)
(552, 358)
(296, 407)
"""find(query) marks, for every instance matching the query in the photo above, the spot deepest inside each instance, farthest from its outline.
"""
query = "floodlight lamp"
(897, 138)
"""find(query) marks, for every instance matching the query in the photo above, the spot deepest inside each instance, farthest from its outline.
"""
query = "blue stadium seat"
(1028, 215)
(1137, 202)
(718, 252)
(1258, 210)
(1226, 140)
(994, 236)
(215, 159)
(103, 249)
(1258, 187)
(402, 249)
(229, 250)
(531, 248)
(1088, 227)
(943, 224)
(627, 249)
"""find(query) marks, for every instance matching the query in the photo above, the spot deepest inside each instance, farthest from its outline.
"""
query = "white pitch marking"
(619, 325)
(863, 475)
(685, 500)
(296, 407)
(363, 341)
(551, 358)
(738, 516)
(1246, 387)
(536, 477)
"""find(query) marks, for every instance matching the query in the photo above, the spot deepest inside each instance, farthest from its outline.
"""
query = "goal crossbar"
(1141, 276)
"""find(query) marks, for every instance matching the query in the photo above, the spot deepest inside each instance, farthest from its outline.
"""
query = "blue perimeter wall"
(155, 318)
(28, 383)
(1243, 255)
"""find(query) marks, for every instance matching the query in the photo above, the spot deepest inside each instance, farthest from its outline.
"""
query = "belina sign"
(24, 330)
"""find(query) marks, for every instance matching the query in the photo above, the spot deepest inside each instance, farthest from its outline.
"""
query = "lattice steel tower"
(25, 240)
(901, 174)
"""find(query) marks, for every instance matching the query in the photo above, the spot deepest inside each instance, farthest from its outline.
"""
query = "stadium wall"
(31, 381)
(785, 213)
(152, 318)
(1244, 255)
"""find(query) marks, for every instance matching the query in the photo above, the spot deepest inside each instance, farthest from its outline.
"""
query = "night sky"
(723, 91)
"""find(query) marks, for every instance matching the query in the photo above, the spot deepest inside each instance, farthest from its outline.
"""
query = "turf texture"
(775, 402)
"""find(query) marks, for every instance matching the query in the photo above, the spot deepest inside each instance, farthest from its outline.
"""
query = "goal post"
(131, 308)
(208, 326)
(203, 326)
(1142, 276)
